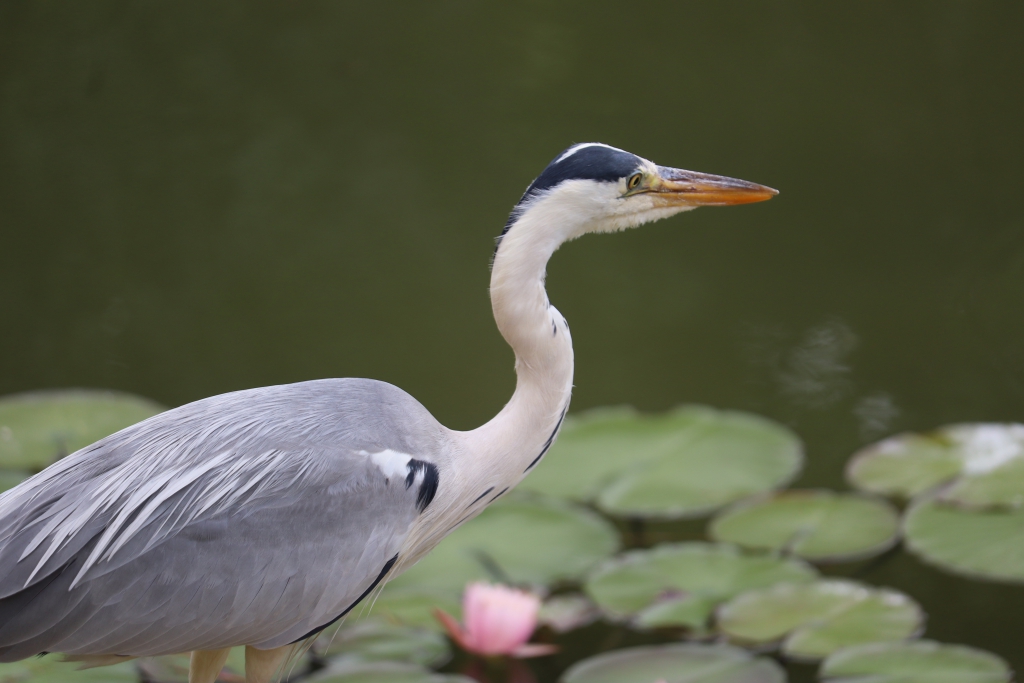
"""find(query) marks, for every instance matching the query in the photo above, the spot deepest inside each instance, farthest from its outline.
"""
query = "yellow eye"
(634, 181)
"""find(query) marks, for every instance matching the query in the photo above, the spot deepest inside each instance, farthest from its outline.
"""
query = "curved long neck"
(520, 434)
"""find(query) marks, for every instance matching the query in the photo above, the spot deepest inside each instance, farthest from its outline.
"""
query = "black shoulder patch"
(596, 162)
(431, 478)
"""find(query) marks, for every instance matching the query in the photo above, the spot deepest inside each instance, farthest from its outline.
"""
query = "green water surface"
(202, 197)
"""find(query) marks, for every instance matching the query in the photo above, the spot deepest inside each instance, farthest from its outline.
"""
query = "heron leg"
(205, 665)
(261, 665)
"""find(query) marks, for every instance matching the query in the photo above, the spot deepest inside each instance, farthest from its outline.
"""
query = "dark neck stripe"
(547, 444)
(477, 499)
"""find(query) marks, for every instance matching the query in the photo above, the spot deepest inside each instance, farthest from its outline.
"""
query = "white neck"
(513, 442)
(488, 461)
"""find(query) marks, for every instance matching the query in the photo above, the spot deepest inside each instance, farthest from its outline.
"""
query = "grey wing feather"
(248, 518)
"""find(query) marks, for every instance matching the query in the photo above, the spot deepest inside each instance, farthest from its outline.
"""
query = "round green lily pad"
(683, 463)
(680, 584)
(521, 540)
(904, 465)
(983, 462)
(675, 611)
(984, 544)
(51, 669)
(412, 606)
(40, 427)
(1002, 486)
(375, 640)
(567, 612)
(821, 526)
(595, 447)
(677, 663)
(382, 672)
(917, 661)
(815, 619)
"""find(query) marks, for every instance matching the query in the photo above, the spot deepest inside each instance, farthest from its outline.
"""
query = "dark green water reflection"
(204, 197)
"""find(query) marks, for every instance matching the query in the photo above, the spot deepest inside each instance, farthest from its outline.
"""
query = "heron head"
(592, 187)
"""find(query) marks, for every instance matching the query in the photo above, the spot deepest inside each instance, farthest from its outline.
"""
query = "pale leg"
(261, 665)
(206, 665)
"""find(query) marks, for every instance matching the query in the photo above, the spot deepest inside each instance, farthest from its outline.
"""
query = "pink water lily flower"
(499, 621)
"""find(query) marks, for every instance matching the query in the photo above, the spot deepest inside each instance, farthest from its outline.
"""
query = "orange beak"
(675, 186)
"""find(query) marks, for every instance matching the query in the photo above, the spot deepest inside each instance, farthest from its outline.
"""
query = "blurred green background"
(202, 197)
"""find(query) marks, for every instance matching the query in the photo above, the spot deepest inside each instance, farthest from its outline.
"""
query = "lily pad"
(596, 446)
(680, 584)
(412, 606)
(1002, 486)
(374, 640)
(683, 463)
(904, 465)
(51, 669)
(821, 526)
(40, 427)
(985, 544)
(815, 619)
(673, 611)
(567, 612)
(984, 462)
(677, 663)
(918, 661)
(522, 540)
(382, 672)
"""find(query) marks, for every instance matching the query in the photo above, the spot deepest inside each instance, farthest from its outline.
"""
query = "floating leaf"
(40, 427)
(412, 606)
(51, 669)
(985, 462)
(683, 463)
(567, 612)
(1002, 486)
(675, 611)
(678, 663)
(904, 465)
(725, 456)
(381, 672)
(818, 618)
(816, 525)
(918, 661)
(986, 544)
(373, 640)
(693, 577)
(520, 540)
(596, 446)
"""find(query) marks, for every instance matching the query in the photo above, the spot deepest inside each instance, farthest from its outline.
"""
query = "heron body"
(259, 517)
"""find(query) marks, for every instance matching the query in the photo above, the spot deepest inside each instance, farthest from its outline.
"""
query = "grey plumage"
(256, 518)
(133, 545)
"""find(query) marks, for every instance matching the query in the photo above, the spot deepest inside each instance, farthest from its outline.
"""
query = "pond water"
(201, 198)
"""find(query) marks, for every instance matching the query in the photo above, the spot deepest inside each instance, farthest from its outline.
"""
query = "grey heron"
(259, 517)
